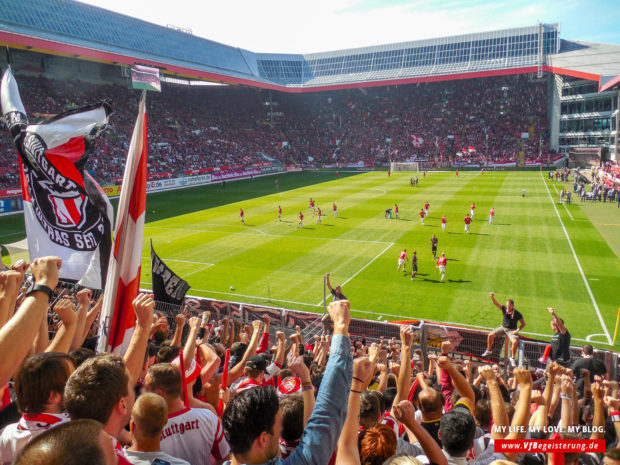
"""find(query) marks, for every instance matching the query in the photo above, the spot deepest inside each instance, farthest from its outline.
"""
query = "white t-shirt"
(15, 436)
(194, 434)
(147, 458)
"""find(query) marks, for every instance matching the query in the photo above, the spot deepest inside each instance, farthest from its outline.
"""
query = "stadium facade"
(583, 77)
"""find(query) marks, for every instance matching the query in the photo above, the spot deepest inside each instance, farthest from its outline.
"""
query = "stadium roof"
(70, 28)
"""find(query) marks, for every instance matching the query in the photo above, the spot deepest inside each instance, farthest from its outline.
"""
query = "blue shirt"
(330, 410)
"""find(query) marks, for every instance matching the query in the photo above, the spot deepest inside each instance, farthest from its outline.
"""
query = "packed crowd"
(604, 186)
(203, 390)
(193, 128)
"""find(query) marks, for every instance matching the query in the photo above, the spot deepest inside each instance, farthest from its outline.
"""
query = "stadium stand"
(191, 129)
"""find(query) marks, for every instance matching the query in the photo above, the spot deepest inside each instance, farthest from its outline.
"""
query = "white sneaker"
(513, 363)
(485, 353)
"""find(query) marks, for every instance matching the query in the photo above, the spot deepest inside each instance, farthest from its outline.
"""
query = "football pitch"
(538, 252)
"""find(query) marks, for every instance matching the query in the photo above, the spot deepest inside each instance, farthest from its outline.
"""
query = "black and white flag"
(167, 286)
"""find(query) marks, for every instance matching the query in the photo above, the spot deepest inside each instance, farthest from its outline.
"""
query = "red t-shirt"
(442, 261)
(396, 208)
(280, 211)
(467, 220)
(473, 207)
(403, 255)
(422, 214)
(240, 212)
(335, 208)
(301, 216)
(444, 219)
(492, 212)
(426, 205)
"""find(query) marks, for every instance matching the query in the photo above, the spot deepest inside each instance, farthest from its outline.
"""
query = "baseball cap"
(256, 363)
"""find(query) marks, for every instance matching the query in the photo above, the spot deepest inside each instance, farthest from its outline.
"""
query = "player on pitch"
(241, 215)
(467, 221)
(441, 265)
(422, 216)
(301, 219)
(472, 209)
(491, 215)
(311, 205)
(414, 265)
(279, 213)
(402, 261)
(444, 220)
(426, 207)
(335, 208)
(318, 218)
(434, 241)
(396, 210)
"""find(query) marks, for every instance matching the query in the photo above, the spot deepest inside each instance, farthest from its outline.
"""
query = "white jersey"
(148, 458)
(14, 437)
(194, 434)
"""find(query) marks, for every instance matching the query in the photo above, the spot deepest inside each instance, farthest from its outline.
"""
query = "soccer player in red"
(241, 215)
(396, 210)
(472, 209)
(441, 265)
(444, 220)
(279, 213)
(388, 173)
(422, 216)
(318, 218)
(301, 219)
(467, 222)
(426, 207)
(425, 174)
(457, 173)
(491, 215)
(335, 208)
(402, 260)
(311, 205)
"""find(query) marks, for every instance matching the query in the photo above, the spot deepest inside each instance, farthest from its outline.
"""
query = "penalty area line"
(583, 276)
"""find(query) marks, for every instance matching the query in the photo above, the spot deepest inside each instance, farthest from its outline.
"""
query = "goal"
(411, 166)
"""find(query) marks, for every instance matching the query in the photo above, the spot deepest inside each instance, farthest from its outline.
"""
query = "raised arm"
(64, 336)
(494, 300)
(404, 374)
(178, 331)
(190, 345)
(83, 298)
(329, 285)
(459, 381)
(557, 320)
(143, 306)
(325, 424)
(348, 450)
(300, 370)
(405, 414)
(237, 371)
(91, 316)
(498, 407)
(17, 335)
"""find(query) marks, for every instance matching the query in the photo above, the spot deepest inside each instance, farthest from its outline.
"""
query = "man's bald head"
(430, 401)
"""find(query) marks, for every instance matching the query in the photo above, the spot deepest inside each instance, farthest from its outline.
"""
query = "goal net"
(411, 166)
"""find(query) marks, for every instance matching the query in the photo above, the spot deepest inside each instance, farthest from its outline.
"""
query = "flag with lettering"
(167, 286)
(123, 281)
(65, 211)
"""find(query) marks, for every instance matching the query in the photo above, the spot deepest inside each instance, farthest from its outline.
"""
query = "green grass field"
(536, 253)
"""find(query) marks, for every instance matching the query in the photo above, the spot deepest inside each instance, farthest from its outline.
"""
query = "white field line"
(564, 203)
(361, 269)
(583, 276)
(197, 271)
(267, 235)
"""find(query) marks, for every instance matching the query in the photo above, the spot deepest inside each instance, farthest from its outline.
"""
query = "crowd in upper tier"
(193, 128)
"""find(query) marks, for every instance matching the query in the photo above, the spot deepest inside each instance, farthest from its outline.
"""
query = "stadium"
(272, 179)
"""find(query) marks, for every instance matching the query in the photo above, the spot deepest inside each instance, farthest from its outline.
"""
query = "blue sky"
(293, 26)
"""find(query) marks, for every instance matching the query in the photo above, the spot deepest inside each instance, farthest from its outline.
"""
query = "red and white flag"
(416, 141)
(123, 281)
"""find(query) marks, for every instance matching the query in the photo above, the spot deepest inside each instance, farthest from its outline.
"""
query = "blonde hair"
(149, 415)
(403, 460)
